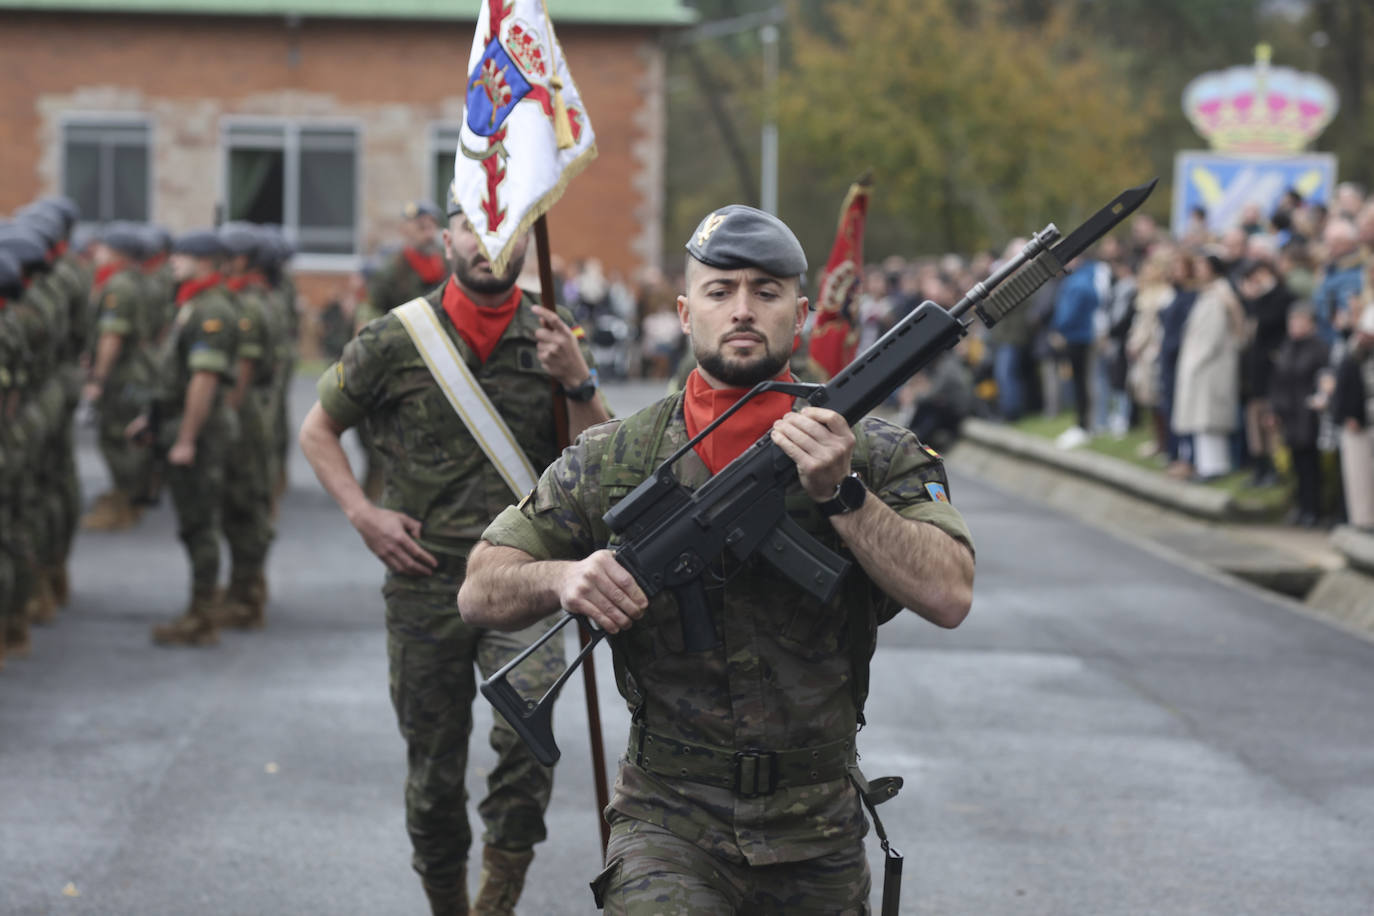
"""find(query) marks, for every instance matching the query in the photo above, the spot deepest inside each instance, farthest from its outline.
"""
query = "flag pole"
(548, 297)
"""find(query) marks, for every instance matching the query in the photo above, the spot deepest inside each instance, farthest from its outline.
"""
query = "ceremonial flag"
(835, 337)
(525, 134)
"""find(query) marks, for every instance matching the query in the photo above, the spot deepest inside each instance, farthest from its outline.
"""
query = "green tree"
(978, 124)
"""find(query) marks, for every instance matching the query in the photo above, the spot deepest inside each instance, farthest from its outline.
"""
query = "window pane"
(256, 185)
(131, 183)
(81, 178)
(328, 190)
(443, 177)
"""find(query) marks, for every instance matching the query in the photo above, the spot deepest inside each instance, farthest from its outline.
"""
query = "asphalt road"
(1111, 732)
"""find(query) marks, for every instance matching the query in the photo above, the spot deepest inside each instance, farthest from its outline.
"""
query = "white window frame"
(290, 129)
(443, 138)
(112, 119)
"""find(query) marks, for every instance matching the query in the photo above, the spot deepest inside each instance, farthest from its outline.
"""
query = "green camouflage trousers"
(654, 872)
(248, 488)
(198, 495)
(432, 653)
(123, 458)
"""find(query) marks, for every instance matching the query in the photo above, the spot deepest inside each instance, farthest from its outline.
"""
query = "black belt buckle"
(756, 773)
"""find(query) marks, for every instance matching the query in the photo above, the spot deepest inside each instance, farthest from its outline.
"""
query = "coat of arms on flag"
(525, 134)
(834, 337)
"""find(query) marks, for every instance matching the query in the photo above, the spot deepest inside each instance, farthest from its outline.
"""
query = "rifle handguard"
(1018, 288)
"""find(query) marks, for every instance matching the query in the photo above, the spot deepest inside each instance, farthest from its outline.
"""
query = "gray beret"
(156, 239)
(11, 273)
(47, 222)
(199, 243)
(738, 236)
(454, 205)
(26, 245)
(422, 208)
(241, 238)
(126, 238)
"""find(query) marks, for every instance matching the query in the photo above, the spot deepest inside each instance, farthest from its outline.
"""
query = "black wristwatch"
(849, 495)
(583, 392)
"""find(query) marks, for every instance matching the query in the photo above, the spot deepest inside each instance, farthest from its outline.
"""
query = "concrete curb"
(1190, 498)
(1356, 546)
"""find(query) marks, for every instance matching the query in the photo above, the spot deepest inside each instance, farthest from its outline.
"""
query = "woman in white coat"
(1207, 393)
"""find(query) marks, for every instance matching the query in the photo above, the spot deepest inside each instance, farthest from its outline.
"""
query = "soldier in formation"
(44, 327)
(106, 323)
(521, 371)
(212, 423)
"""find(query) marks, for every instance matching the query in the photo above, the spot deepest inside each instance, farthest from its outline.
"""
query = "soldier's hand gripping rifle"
(670, 534)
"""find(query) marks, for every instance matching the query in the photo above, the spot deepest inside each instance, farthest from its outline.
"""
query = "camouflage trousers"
(432, 653)
(197, 496)
(654, 872)
(124, 459)
(248, 485)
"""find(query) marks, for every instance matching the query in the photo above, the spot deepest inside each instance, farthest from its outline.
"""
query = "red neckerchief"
(429, 267)
(480, 327)
(192, 288)
(702, 404)
(103, 274)
(154, 263)
(241, 282)
(59, 249)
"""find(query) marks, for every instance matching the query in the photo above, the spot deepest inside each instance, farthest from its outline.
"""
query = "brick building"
(323, 115)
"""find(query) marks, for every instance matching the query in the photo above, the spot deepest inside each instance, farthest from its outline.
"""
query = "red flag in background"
(835, 335)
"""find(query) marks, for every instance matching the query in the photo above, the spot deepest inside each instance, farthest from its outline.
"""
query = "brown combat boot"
(503, 878)
(101, 515)
(448, 899)
(16, 636)
(41, 608)
(61, 584)
(193, 628)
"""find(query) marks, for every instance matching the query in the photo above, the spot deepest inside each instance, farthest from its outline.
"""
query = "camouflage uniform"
(395, 283)
(683, 840)
(204, 338)
(248, 480)
(435, 472)
(123, 310)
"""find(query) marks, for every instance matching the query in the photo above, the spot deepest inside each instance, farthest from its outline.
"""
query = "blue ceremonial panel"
(495, 87)
(1224, 183)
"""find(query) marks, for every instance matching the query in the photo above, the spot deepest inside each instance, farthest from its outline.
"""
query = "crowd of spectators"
(1250, 350)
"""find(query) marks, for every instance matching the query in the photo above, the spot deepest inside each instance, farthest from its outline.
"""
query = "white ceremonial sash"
(467, 397)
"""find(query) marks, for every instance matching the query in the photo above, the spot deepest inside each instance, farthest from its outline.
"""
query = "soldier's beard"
(488, 284)
(740, 373)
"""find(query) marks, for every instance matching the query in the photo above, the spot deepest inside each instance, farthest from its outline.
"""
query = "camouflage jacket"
(433, 469)
(781, 681)
(204, 338)
(122, 309)
(396, 282)
(258, 332)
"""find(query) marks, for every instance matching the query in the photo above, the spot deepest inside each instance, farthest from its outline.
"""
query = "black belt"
(749, 773)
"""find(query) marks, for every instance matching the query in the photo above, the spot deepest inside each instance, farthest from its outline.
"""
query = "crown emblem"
(524, 46)
(1260, 108)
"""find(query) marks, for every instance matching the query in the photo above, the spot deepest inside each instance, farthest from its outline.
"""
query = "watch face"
(852, 493)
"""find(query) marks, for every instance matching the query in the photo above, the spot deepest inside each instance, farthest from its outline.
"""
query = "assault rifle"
(670, 534)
